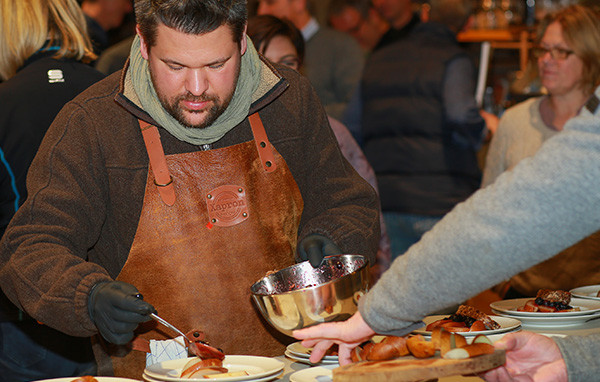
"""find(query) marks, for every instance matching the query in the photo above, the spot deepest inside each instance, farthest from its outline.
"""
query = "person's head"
(359, 19)
(396, 12)
(108, 14)
(277, 39)
(297, 11)
(568, 51)
(30, 25)
(194, 50)
(454, 14)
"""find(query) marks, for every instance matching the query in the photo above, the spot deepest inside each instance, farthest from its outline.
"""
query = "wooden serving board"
(411, 369)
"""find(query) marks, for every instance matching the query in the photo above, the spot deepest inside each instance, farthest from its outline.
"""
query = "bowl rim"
(363, 266)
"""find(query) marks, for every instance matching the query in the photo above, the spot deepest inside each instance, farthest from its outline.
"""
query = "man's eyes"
(217, 66)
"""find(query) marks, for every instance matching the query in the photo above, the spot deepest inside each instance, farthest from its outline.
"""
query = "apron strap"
(262, 143)
(162, 179)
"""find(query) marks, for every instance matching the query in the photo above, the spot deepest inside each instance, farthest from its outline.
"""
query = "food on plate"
(202, 349)
(197, 368)
(85, 378)
(549, 301)
(208, 362)
(466, 319)
(442, 341)
(231, 374)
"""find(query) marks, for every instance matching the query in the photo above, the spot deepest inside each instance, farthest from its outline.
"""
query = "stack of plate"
(299, 353)
(589, 291)
(258, 369)
(588, 310)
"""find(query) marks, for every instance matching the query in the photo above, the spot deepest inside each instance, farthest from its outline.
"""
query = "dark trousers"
(30, 351)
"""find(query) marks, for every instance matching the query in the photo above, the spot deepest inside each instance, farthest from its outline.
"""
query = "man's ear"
(143, 46)
(244, 42)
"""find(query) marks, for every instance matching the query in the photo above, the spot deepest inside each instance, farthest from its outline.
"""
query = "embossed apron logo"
(227, 205)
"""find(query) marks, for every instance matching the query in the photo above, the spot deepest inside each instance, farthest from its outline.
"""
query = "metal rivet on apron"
(263, 144)
(209, 196)
(214, 220)
(244, 214)
(268, 163)
(240, 190)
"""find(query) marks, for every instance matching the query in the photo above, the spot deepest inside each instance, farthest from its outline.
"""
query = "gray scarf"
(235, 113)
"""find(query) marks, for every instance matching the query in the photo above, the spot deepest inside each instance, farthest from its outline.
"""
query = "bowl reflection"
(300, 296)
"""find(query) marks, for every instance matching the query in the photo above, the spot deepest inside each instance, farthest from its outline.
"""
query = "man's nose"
(196, 82)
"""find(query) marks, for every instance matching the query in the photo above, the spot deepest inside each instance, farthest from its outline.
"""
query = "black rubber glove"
(315, 247)
(116, 311)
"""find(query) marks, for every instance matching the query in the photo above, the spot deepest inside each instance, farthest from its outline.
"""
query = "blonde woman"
(43, 50)
(568, 60)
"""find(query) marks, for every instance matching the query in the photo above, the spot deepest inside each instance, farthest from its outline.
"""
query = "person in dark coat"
(48, 71)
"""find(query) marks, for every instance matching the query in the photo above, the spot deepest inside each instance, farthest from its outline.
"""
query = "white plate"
(509, 308)
(506, 325)
(263, 379)
(551, 321)
(307, 361)
(297, 349)
(257, 367)
(99, 379)
(590, 291)
(314, 374)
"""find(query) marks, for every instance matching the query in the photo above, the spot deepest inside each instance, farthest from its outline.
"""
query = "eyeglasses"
(555, 52)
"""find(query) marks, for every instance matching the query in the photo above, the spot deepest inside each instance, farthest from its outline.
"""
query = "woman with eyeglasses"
(568, 58)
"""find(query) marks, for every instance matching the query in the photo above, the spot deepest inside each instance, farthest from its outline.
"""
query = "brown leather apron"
(234, 215)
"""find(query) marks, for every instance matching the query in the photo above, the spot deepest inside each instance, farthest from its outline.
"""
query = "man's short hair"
(190, 16)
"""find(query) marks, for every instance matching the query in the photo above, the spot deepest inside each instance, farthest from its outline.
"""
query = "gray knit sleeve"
(581, 356)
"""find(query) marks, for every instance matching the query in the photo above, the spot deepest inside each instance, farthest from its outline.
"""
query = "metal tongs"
(197, 347)
(170, 326)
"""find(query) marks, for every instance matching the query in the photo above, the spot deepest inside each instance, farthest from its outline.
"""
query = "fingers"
(116, 337)
(498, 374)
(310, 343)
(328, 330)
(131, 303)
(513, 341)
(314, 254)
(344, 354)
(319, 350)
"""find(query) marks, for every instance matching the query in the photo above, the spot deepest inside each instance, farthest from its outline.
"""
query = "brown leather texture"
(226, 205)
(263, 146)
(162, 178)
(199, 276)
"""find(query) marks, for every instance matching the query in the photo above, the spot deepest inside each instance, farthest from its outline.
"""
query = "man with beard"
(186, 178)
